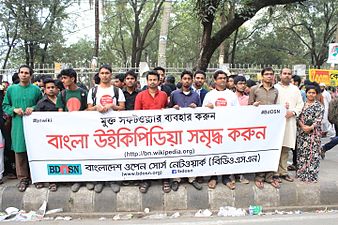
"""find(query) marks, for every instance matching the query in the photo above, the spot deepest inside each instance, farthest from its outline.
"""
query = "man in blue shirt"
(185, 97)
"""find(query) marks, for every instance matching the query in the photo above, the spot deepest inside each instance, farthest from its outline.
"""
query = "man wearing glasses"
(265, 94)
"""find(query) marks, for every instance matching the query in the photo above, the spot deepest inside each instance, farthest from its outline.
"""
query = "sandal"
(212, 184)
(231, 185)
(292, 168)
(53, 187)
(166, 187)
(287, 178)
(22, 186)
(275, 184)
(38, 185)
(175, 185)
(144, 186)
(259, 184)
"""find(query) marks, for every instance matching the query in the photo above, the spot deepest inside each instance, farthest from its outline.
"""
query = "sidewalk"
(129, 199)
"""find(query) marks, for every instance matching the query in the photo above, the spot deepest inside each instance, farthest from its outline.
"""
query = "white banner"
(153, 144)
(333, 53)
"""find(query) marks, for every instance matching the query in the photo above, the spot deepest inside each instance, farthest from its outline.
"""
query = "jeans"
(331, 144)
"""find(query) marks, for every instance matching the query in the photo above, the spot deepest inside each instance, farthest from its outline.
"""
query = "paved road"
(328, 166)
(306, 218)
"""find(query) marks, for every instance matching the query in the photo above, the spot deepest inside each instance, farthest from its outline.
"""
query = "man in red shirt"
(152, 98)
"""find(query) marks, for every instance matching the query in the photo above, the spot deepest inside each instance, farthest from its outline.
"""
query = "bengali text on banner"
(153, 144)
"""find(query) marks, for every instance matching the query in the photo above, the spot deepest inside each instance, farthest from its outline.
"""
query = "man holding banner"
(265, 94)
(183, 98)
(152, 98)
(103, 98)
(218, 97)
(19, 101)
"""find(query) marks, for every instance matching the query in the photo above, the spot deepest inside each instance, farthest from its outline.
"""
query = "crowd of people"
(310, 113)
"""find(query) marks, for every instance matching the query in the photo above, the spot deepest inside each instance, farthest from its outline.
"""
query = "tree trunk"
(44, 53)
(31, 50)
(221, 47)
(162, 45)
(97, 29)
(26, 53)
(234, 46)
(210, 44)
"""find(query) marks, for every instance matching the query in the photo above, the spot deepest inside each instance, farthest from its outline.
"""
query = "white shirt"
(105, 96)
(221, 98)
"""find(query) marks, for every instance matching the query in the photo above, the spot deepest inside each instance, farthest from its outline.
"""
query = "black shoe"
(174, 185)
(292, 168)
(196, 185)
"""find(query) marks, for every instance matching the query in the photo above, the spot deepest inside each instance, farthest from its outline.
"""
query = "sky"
(81, 22)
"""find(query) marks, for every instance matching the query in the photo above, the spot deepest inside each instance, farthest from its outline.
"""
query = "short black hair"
(15, 78)
(233, 76)
(250, 83)
(170, 79)
(311, 86)
(218, 72)
(152, 72)
(297, 78)
(188, 73)
(59, 85)
(69, 73)
(96, 78)
(37, 78)
(267, 69)
(29, 68)
(48, 80)
(106, 66)
(160, 68)
(120, 77)
(200, 72)
(131, 73)
(239, 78)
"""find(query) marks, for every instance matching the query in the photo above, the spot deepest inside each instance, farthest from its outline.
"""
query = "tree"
(132, 22)
(244, 11)
(313, 24)
(37, 24)
(10, 26)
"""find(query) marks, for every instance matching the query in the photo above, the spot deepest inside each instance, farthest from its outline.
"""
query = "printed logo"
(106, 99)
(174, 171)
(73, 104)
(64, 169)
(221, 102)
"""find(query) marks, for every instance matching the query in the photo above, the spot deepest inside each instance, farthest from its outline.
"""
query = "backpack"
(83, 98)
(116, 94)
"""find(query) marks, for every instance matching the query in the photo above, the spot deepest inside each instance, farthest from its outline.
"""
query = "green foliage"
(39, 24)
(119, 29)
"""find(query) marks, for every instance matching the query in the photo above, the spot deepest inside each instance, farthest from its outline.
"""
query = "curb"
(290, 196)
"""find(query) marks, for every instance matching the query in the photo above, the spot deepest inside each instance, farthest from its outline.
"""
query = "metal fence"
(86, 72)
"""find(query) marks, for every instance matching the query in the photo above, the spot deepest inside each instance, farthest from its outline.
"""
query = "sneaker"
(90, 186)
(196, 185)
(115, 187)
(75, 187)
(98, 187)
